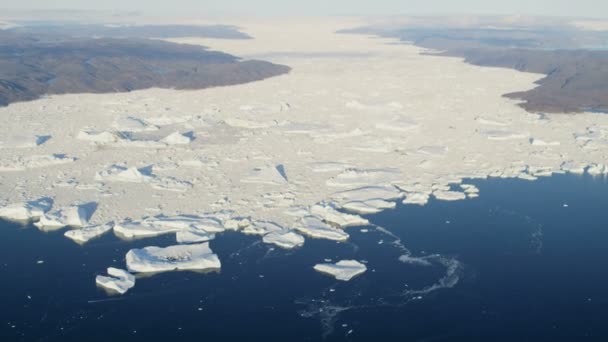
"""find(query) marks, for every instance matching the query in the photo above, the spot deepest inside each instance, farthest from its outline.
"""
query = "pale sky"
(583, 8)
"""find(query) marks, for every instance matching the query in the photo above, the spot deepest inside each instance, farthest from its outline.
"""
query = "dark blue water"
(527, 267)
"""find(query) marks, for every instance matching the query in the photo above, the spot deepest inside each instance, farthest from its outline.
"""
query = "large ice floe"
(197, 257)
(343, 270)
(298, 156)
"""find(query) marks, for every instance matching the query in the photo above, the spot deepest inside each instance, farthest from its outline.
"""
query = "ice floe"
(449, 195)
(329, 213)
(314, 227)
(198, 257)
(118, 281)
(368, 200)
(343, 270)
(25, 211)
(284, 239)
(86, 234)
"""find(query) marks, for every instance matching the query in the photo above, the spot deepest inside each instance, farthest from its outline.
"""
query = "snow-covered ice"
(87, 234)
(197, 257)
(25, 211)
(118, 281)
(314, 227)
(284, 239)
(75, 216)
(343, 270)
(268, 152)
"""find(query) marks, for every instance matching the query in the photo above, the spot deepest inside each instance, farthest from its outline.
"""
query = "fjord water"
(532, 266)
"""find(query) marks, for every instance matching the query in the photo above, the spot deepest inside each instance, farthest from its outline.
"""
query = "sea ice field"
(360, 125)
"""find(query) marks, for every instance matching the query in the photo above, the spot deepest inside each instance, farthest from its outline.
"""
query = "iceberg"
(343, 270)
(84, 235)
(197, 257)
(284, 239)
(118, 281)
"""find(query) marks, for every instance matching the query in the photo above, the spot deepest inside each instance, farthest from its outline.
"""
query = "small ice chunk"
(119, 281)
(284, 239)
(328, 212)
(86, 234)
(31, 210)
(182, 257)
(449, 195)
(176, 138)
(316, 228)
(343, 270)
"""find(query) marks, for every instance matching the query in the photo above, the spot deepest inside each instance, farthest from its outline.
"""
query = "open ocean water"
(527, 261)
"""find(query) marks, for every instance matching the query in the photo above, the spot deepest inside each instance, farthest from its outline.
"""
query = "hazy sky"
(590, 8)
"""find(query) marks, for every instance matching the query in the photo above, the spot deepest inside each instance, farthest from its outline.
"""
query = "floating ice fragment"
(119, 281)
(343, 270)
(182, 257)
(316, 228)
(31, 210)
(419, 198)
(193, 236)
(449, 195)
(262, 228)
(86, 234)
(284, 239)
(328, 212)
